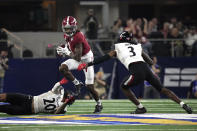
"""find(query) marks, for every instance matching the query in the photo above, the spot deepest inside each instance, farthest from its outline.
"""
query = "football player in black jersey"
(132, 56)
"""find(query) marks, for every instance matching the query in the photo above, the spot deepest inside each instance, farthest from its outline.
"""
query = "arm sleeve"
(147, 58)
(99, 60)
(57, 88)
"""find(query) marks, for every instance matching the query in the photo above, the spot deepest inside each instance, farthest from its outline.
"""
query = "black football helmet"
(125, 36)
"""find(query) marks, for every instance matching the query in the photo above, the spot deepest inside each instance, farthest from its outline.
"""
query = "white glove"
(61, 50)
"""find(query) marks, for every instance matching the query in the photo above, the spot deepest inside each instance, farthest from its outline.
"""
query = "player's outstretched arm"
(103, 58)
(147, 58)
(57, 86)
(97, 60)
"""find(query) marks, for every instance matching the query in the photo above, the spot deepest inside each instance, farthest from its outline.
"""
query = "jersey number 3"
(49, 104)
(132, 51)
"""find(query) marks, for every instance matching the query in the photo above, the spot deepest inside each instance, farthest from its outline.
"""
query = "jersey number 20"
(49, 104)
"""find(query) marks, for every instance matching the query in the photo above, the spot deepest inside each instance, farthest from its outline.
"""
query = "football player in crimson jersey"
(131, 55)
(79, 51)
(54, 101)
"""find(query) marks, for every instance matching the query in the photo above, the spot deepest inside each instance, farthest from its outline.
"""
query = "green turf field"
(82, 110)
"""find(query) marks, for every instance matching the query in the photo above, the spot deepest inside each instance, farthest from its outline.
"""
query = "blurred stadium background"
(167, 29)
(31, 30)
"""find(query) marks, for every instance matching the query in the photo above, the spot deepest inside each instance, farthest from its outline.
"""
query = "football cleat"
(187, 108)
(98, 109)
(139, 111)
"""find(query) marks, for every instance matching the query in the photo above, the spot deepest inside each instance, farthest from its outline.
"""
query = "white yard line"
(142, 100)
(123, 110)
(130, 129)
(126, 107)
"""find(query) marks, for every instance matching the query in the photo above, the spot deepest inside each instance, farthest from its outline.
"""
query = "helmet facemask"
(69, 30)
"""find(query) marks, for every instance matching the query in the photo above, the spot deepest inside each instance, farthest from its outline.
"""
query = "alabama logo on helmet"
(69, 25)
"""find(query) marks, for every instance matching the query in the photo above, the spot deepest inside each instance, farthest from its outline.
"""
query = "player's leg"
(128, 82)
(137, 76)
(12, 98)
(66, 68)
(153, 80)
(175, 98)
(11, 109)
(17, 104)
(89, 74)
(66, 72)
(5, 108)
(99, 106)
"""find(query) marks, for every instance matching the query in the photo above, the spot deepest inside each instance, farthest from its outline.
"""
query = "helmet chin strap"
(69, 35)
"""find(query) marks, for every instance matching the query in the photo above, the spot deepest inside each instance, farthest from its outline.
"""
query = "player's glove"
(82, 66)
(61, 50)
(70, 100)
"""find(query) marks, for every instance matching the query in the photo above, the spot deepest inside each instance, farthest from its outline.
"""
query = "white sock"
(98, 102)
(181, 103)
(140, 106)
(66, 109)
(75, 82)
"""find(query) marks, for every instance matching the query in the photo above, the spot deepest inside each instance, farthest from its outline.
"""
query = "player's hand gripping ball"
(62, 49)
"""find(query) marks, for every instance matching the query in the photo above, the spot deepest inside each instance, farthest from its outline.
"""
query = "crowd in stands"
(170, 38)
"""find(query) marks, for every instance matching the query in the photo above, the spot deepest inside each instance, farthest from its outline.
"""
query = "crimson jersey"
(76, 39)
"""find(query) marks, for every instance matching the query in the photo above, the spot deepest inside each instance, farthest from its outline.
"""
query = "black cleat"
(98, 109)
(139, 111)
(187, 108)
